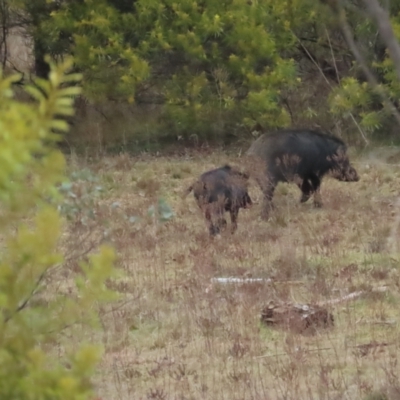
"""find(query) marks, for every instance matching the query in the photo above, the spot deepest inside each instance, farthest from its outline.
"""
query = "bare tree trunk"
(4, 32)
(42, 69)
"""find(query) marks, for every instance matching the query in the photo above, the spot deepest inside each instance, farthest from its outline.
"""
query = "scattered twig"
(242, 281)
(232, 279)
(385, 322)
(358, 346)
(351, 296)
(380, 163)
(297, 350)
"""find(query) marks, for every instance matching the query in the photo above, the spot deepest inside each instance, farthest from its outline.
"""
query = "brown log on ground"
(300, 318)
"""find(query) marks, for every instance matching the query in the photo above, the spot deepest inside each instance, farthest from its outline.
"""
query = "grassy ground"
(177, 336)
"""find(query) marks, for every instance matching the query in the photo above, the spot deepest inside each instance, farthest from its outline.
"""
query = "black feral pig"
(299, 156)
(219, 190)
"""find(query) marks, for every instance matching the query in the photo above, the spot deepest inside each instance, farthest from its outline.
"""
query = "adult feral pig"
(299, 156)
(219, 190)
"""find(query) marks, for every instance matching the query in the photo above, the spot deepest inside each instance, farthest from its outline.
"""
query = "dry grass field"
(175, 334)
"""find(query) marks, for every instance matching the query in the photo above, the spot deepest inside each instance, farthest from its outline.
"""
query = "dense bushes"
(213, 69)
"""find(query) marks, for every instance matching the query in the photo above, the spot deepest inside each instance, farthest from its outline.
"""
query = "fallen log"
(300, 318)
(303, 318)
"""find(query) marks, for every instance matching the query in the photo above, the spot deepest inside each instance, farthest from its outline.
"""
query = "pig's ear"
(342, 151)
(187, 191)
(237, 171)
(245, 175)
(199, 186)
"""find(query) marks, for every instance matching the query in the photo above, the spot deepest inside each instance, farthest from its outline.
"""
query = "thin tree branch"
(312, 59)
(330, 86)
(333, 56)
(25, 303)
(360, 59)
(382, 19)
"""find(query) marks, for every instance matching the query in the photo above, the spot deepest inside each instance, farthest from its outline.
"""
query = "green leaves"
(163, 212)
(79, 196)
(31, 313)
(235, 37)
(171, 49)
(353, 97)
(110, 65)
(24, 127)
(170, 53)
(349, 95)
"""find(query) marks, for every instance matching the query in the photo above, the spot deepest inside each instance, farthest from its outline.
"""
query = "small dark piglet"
(219, 190)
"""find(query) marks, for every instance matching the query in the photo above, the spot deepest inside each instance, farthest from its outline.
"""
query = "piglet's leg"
(234, 216)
